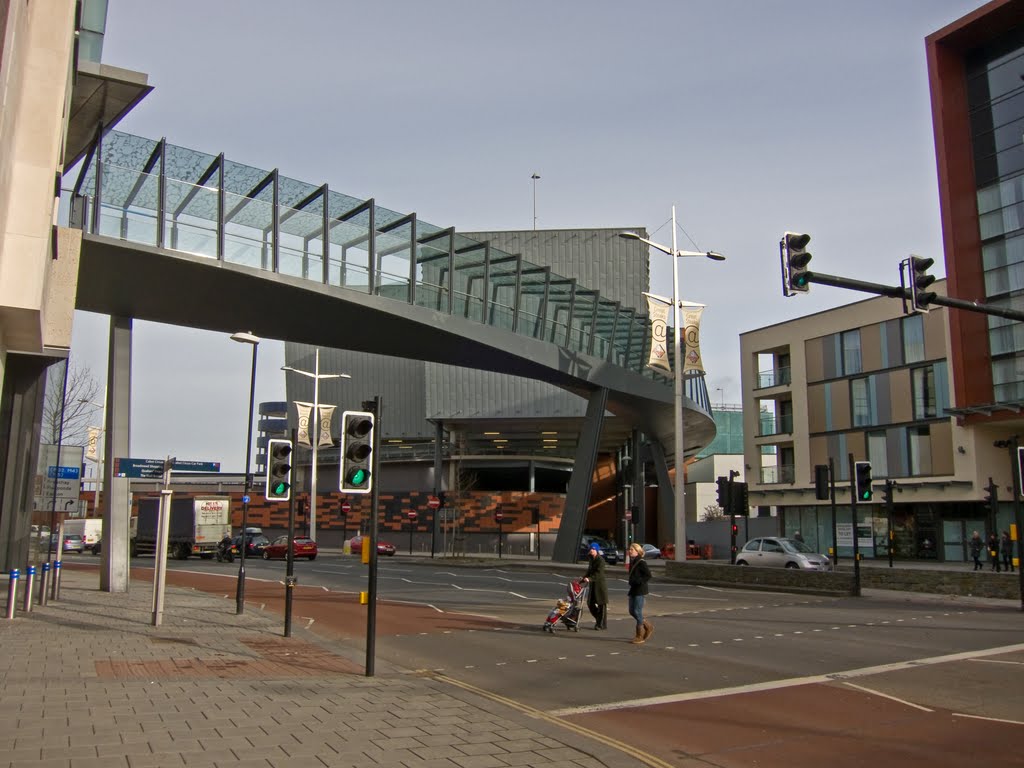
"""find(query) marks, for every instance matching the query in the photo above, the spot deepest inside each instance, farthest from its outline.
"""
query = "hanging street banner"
(302, 434)
(657, 308)
(326, 414)
(92, 446)
(691, 336)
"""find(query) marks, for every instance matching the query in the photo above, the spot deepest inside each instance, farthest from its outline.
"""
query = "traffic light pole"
(289, 579)
(832, 495)
(371, 613)
(899, 292)
(853, 514)
(890, 489)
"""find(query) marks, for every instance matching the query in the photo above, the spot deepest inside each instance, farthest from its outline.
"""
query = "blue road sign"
(153, 469)
(64, 473)
(196, 466)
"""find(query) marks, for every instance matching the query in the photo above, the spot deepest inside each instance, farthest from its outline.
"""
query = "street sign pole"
(163, 529)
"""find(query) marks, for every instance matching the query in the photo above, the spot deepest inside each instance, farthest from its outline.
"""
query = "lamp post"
(99, 453)
(314, 430)
(677, 359)
(245, 337)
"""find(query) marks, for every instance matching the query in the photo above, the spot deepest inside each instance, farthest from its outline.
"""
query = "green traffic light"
(865, 496)
(358, 477)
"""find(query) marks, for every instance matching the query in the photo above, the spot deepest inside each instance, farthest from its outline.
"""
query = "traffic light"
(740, 500)
(887, 492)
(723, 494)
(279, 470)
(356, 452)
(920, 296)
(795, 277)
(991, 500)
(862, 480)
(822, 487)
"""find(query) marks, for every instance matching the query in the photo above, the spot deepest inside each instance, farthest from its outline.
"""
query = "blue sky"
(752, 118)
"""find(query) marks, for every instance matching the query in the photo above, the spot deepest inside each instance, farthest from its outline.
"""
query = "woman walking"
(639, 575)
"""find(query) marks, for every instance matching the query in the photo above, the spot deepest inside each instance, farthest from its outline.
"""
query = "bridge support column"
(116, 504)
(666, 496)
(577, 498)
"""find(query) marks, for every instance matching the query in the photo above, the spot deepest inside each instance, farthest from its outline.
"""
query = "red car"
(279, 548)
(383, 547)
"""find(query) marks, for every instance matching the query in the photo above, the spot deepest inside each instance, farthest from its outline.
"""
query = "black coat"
(639, 575)
(598, 582)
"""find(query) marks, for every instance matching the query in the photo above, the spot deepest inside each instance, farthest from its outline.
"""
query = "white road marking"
(788, 682)
(887, 696)
(998, 661)
(990, 719)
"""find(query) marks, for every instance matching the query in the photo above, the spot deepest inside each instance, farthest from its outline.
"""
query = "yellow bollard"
(364, 598)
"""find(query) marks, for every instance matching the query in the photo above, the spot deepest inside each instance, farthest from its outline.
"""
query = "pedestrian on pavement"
(639, 575)
(975, 546)
(993, 551)
(799, 537)
(597, 598)
(1006, 547)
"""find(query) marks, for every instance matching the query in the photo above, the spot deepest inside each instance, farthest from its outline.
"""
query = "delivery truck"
(89, 528)
(196, 526)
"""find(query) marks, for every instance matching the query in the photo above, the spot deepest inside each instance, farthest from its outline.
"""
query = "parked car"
(779, 552)
(73, 542)
(255, 542)
(610, 554)
(279, 548)
(383, 547)
(651, 552)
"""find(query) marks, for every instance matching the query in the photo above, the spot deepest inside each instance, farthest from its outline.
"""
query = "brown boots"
(643, 632)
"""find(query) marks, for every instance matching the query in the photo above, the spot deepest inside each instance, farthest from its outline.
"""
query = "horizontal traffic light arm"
(899, 292)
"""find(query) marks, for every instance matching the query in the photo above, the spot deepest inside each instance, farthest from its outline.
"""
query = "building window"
(919, 447)
(850, 341)
(878, 454)
(913, 339)
(922, 382)
(860, 402)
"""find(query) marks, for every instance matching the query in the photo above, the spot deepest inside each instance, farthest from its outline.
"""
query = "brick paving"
(88, 681)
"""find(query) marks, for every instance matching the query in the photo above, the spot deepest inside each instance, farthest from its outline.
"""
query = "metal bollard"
(43, 582)
(30, 578)
(12, 593)
(55, 591)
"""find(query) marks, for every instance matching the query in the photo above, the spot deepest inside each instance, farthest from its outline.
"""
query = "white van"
(90, 529)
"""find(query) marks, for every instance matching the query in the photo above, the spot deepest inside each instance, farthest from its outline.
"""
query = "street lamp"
(680, 494)
(314, 430)
(245, 337)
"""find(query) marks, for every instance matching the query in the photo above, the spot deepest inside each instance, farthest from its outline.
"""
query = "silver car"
(779, 552)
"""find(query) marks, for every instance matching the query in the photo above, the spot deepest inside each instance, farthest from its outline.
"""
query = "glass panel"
(468, 279)
(604, 325)
(189, 226)
(432, 273)
(394, 252)
(582, 320)
(301, 254)
(248, 235)
(502, 293)
(556, 328)
(851, 352)
(913, 339)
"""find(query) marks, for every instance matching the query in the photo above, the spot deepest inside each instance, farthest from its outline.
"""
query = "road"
(730, 677)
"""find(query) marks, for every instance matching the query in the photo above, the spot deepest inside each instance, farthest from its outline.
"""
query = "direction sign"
(433, 502)
(153, 469)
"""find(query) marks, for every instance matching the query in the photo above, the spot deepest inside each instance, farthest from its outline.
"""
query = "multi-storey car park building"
(933, 401)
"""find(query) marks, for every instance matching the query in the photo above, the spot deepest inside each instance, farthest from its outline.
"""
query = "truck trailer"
(196, 526)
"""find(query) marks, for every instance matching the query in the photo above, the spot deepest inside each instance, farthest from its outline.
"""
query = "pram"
(568, 609)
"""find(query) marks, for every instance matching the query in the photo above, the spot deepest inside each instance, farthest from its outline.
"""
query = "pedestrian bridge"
(178, 236)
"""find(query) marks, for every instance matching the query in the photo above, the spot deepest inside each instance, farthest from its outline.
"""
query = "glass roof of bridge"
(169, 196)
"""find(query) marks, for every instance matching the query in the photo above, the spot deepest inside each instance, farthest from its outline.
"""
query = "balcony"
(774, 378)
(775, 425)
(782, 473)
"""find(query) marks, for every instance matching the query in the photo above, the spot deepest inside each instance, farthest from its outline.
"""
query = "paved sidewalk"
(88, 681)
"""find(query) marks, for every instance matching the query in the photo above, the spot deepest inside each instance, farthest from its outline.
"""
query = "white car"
(780, 552)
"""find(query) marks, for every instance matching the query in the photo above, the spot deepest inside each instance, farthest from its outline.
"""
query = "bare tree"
(713, 512)
(74, 410)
